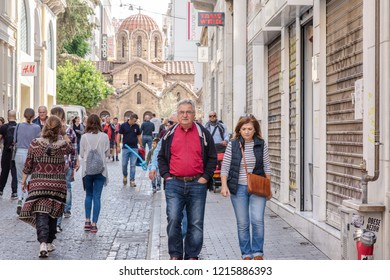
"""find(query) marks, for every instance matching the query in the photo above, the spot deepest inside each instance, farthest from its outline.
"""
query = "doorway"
(307, 119)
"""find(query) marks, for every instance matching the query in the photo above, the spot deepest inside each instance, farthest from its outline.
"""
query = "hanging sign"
(29, 68)
(211, 19)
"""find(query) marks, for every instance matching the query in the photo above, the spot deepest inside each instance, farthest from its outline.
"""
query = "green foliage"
(73, 25)
(81, 84)
(78, 46)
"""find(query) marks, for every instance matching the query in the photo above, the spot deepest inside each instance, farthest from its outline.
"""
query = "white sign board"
(203, 54)
(29, 69)
(359, 88)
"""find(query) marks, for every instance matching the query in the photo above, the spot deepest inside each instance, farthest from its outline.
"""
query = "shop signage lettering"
(29, 69)
(211, 19)
(373, 224)
(104, 46)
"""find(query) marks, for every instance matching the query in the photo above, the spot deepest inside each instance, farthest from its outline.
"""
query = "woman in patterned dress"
(47, 187)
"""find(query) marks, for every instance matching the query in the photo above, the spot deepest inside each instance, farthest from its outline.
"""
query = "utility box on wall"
(357, 218)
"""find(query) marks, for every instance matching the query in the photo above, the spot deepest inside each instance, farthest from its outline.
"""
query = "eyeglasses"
(185, 112)
(212, 116)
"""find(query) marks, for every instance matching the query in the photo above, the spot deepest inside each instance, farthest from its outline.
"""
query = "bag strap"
(243, 156)
(97, 144)
(215, 128)
(16, 134)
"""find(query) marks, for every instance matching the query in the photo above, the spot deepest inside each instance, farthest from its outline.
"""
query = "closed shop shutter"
(344, 141)
(249, 80)
(292, 126)
(274, 113)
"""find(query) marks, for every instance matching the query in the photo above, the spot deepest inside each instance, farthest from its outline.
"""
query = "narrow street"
(132, 226)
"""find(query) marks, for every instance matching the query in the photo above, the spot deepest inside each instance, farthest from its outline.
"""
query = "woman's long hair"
(248, 118)
(94, 124)
(52, 129)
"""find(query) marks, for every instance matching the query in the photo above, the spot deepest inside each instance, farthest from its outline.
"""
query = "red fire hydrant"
(365, 245)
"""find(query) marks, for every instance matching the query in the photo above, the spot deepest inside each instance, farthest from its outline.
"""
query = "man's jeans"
(192, 196)
(147, 140)
(249, 210)
(68, 205)
(93, 188)
(126, 156)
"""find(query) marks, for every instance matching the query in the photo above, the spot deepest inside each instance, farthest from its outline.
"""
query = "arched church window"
(155, 46)
(138, 98)
(123, 46)
(178, 96)
(135, 78)
(139, 46)
(140, 77)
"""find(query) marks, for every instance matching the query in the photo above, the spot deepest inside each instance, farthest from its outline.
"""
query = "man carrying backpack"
(218, 131)
(7, 164)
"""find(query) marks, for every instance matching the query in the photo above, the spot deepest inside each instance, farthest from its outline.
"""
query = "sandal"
(94, 228)
(87, 226)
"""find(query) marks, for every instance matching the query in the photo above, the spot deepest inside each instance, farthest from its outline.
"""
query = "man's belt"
(187, 179)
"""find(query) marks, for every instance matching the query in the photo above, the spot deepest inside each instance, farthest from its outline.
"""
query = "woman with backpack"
(94, 148)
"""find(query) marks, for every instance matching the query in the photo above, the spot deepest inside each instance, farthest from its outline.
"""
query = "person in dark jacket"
(248, 208)
(42, 116)
(186, 161)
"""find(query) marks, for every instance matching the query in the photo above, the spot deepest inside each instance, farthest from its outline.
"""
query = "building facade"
(316, 78)
(8, 35)
(102, 41)
(145, 83)
(36, 53)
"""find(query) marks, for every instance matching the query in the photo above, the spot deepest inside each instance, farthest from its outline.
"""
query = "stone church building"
(144, 82)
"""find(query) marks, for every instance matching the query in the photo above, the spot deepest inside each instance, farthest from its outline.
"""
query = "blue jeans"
(157, 181)
(147, 140)
(20, 159)
(93, 188)
(68, 204)
(126, 156)
(249, 210)
(192, 197)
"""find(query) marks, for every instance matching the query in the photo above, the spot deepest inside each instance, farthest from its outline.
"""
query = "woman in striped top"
(248, 208)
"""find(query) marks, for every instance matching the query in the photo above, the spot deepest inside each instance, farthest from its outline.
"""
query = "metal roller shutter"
(344, 141)
(274, 113)
(292, 119)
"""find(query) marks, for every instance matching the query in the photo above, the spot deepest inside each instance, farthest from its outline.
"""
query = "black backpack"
(9, 137)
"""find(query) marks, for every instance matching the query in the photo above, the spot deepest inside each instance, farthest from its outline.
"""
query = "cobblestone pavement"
(132, 225)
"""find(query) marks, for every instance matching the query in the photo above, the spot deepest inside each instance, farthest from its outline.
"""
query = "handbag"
(257, 184)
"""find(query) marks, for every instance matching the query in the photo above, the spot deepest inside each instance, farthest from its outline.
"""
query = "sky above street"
(152, 8)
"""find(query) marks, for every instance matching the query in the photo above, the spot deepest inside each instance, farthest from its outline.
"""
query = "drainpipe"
(365, 177)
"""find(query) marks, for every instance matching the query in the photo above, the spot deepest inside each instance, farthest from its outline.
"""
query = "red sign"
(211, 19)
(29, 69)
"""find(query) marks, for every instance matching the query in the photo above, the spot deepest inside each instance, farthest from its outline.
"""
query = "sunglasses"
(212, 116)
(170, 122)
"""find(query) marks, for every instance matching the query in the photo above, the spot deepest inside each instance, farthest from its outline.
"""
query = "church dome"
(139, 21)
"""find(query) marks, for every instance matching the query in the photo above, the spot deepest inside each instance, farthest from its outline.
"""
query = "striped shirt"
(250, 161)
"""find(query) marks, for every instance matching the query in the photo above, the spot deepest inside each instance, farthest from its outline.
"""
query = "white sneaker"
(43, 250)
(50, 247)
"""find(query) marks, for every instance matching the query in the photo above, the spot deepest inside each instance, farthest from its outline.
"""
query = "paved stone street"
(132, 226)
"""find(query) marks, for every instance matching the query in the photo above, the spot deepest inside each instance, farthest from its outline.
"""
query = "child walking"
(156, 183)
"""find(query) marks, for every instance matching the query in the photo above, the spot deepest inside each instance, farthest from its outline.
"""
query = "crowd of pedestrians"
(43, 154)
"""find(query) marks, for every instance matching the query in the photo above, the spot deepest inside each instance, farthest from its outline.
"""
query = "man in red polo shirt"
(187, 161)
